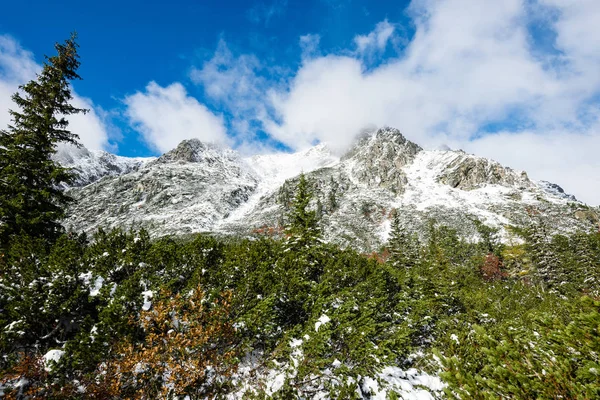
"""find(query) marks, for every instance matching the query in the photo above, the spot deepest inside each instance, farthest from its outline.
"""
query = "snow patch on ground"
(323, 319)
(385, 230)
(94, 288)
(52, 356)
(254, 375)
(98, 283)
(424, 191)
(148, 294)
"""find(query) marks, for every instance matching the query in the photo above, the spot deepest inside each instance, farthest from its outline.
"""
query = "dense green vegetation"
(497, 320)
(127, 316)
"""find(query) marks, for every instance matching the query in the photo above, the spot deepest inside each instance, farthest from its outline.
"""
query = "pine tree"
(587, 247)
(31, 202)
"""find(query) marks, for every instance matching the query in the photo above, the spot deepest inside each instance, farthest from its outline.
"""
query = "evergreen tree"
(547, 270)
(587, 248)
(332, 197)
(404, 248)
(302, 229)
(489, 239)
(31, 202)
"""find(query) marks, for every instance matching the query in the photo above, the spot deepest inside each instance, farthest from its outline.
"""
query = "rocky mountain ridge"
(199, 187)
(92, 165)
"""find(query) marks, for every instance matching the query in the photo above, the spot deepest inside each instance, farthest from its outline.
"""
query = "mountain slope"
(187, 189)
(198, 187)
(92, 165)
(383, 172)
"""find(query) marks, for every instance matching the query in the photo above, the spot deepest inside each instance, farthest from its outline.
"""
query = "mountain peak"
(388, 132)
(190, 150)
(556, 190)
(203, 187)
(383, 134)
(385, 137)
(378, 158)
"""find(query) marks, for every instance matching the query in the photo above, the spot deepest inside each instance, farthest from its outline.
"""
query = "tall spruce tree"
(404, 247)
(31, 202)
(302, 229)
(546, 268)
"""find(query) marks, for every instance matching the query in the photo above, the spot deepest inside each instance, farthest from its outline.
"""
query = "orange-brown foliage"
(380, 257)
(268, 230)
(491, 269)
(31, 369)
(188, 345)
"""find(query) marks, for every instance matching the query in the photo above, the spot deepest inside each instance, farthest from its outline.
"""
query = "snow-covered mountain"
(191, 188)
(91, 165)
(198, 187)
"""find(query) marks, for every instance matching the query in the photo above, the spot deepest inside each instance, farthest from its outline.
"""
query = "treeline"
(119, 315)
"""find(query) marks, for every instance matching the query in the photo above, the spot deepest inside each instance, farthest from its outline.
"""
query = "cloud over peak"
(167, 115)
(471, 73)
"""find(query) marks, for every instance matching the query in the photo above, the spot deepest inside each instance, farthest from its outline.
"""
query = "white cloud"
(229, 79)
(309, 44)
(375, 41)
(18, 66)
(167, 115)
(470, 63)
(91, 127)
(452, 78)
(235, 83)
(577, 31)
(324, 103)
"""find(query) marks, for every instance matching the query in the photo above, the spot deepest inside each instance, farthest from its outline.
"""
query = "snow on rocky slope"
(272, 170)
(198, 187)
(384, 171)
(188, 189)
(92, 165)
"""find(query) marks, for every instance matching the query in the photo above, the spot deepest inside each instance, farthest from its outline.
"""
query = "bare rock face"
(196, 151)
(555, 190)
(378, 159)
(469, 172)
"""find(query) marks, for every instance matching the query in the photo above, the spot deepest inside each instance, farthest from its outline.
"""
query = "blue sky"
(515, 80)
(126, 44)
